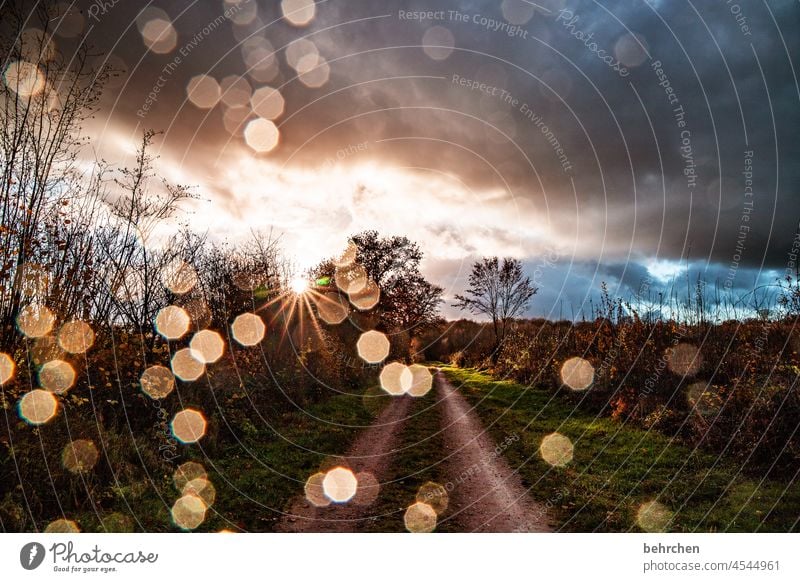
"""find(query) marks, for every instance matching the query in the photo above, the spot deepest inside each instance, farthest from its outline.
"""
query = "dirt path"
(372, 453)
(485, 494)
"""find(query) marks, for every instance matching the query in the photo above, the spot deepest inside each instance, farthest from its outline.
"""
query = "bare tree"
(130, 289)
(500, 291)
(789, 295)
(239, 278)
(46, 200)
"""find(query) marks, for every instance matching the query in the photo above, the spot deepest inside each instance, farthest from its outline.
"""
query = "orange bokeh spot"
(57, 376)
(186, 366)
(248, 329)
(189, 426)
(157, 382)
(38, 406)
(79, 456)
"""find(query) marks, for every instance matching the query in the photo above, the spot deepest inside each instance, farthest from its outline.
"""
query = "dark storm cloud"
(650, 183)
(736, 88)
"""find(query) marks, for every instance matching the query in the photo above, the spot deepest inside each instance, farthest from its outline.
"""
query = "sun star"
(299, 285)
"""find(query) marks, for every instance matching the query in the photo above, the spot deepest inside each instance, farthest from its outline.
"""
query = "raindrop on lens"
(339, 485)
(248, 329)
(577, 373)
(420, 518)
(556, 449)
(189, 426)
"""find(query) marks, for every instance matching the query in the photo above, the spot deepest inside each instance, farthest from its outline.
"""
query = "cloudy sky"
(615, 141)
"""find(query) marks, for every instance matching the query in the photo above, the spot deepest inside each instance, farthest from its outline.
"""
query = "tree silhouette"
(408, 301)
(499, 290)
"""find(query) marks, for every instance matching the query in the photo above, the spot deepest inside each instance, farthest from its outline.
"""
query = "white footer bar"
(399, 557)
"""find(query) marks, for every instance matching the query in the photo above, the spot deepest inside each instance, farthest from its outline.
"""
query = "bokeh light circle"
(332, 308)
(298, 12)
(179, 277)
(207, 346)
(189, 512)
(24, 78)
(203, 91)
(684, 359)
(76, 337)
(314, 492)
(367, 297)
(556, 449)
(267, 103)
(421, 380)
(395, 378)
(172, 322)
(339, 485)
(373, 346)
(62, 526)
(38, 406)
(202, 488)
(261, 135)
(57, 376)
(188, 471)
(577, 373)
(438, 42)
(189, 426)
(653, 517)
(35, 320)
(79, 456)
(186, 365)
(157, 382)
(7, 368)
(434, 495)
(420, 518)
(248, 329)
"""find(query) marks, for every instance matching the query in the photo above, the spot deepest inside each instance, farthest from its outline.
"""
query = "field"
(258, 463)
(618, 468)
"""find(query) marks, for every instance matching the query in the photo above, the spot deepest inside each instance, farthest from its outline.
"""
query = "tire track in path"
(371, 452)
(486, 494)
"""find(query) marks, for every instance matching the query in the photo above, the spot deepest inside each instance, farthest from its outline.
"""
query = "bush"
(745, 377)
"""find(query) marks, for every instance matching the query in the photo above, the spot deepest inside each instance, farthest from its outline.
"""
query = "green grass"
(614, 471)
(269, 470)
(255, 479)
(415, 463)
(617, 468)
(260, 477)
(412, 465)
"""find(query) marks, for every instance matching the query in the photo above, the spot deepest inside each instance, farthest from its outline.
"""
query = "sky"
(634, 142)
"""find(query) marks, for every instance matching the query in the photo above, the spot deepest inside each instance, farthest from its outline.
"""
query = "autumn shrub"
(729, 388)
(457, 359)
